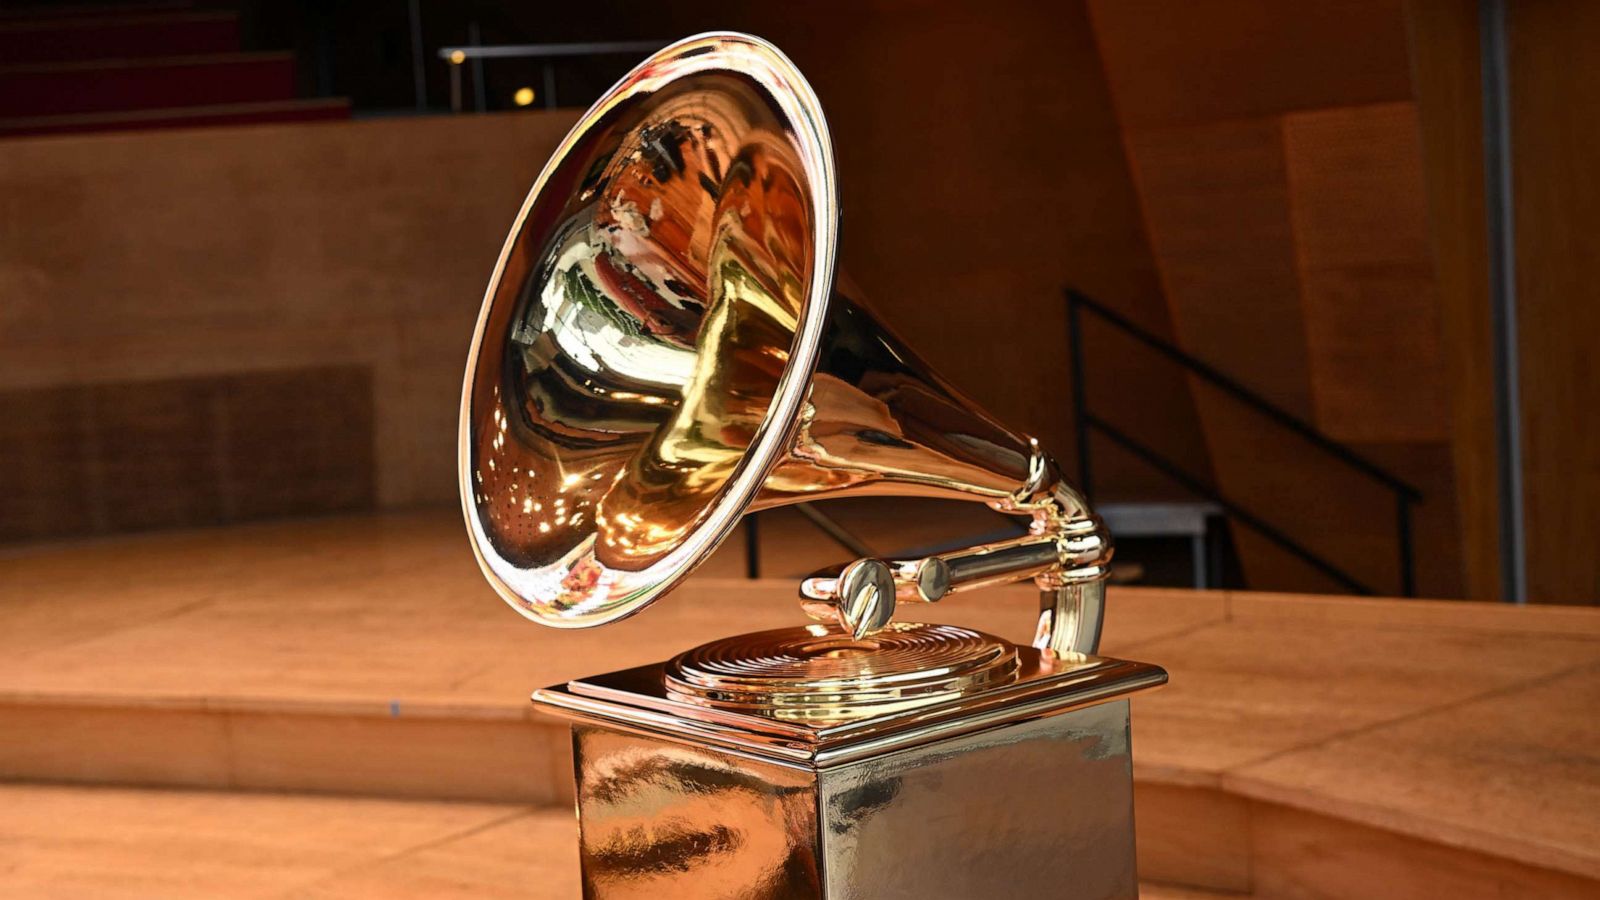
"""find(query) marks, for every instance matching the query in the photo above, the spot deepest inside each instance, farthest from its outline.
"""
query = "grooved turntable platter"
(820, 672)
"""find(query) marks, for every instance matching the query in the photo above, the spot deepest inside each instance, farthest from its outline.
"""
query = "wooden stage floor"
(338, 708)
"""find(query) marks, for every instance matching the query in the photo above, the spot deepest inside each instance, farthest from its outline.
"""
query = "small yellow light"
(457, 57)
(523, 96)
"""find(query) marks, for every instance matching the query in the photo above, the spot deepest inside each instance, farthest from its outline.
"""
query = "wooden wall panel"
(1555, 90)
(1281, 183)
(125, 456)
(1366, 273)
(158, 273)
(1216, 202)
(1174, 63)
(1444, 52)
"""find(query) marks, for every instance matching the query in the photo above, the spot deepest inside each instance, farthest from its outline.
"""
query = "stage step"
(277, 111)
(1303, 740)
(45, 89)
(120, 844)
(118, 36)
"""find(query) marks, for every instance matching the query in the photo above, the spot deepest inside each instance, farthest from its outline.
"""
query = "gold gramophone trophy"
(664, 347)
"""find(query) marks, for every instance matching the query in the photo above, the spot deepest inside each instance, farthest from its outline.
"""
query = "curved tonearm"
(1066, 551)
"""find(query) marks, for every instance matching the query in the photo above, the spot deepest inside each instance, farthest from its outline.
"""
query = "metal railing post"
(548, 70)
(419, 70)
(1408, 578)
(752, 546)
(480, 90)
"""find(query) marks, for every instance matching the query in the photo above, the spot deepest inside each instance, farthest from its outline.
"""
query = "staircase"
(141, 66)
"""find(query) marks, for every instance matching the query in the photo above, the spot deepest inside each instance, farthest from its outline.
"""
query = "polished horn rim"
(625, 591)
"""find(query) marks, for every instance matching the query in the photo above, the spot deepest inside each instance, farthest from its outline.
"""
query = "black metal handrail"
(1086, 421)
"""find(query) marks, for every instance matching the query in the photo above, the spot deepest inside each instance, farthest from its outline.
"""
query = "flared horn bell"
(663, 347)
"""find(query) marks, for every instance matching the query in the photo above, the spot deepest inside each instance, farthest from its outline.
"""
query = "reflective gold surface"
(643, 699)
(663, 347)
(640, 329)
(1020, 790)
(663, 820)
(824, 674)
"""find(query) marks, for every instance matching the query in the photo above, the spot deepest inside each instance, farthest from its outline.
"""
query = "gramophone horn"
(663, 347)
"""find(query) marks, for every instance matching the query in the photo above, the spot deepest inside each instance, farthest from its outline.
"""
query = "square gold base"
(1024, 789)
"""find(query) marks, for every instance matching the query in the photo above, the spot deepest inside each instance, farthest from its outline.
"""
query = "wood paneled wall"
(1279, 164)
(1555, 133)
(1360, 222)
(1554, 82)
(212, 325)
(173, 452)
(1448, 87)
(1173, 63)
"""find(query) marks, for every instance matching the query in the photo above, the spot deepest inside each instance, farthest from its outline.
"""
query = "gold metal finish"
(640, 699)
(1023, 788)
(664, 347)
(643, 350)
(823, 674)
